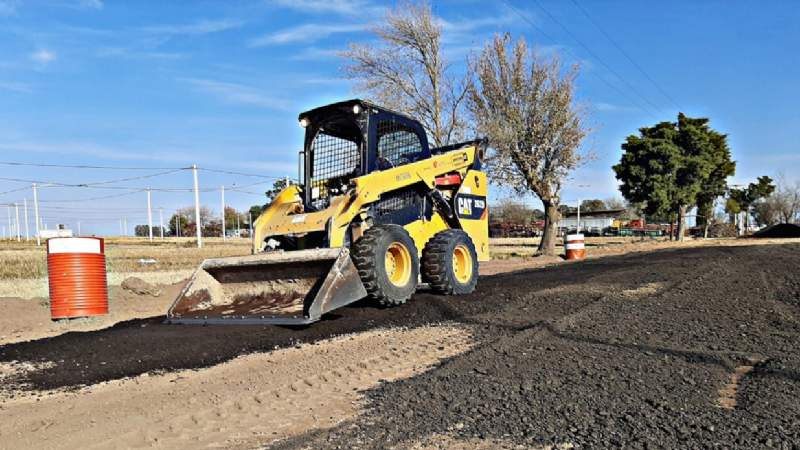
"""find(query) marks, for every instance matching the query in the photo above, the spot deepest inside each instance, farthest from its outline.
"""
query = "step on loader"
(376, 212)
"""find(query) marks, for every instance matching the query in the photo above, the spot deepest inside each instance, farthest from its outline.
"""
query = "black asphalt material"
(626, 351)
(626, 370)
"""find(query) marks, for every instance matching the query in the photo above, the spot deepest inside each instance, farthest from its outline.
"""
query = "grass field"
(24, 260)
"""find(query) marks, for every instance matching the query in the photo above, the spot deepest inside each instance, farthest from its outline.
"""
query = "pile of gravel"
(621, 367)
(781, 230)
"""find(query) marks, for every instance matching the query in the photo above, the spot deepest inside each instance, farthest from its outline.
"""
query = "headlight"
(356, 109)
(304, 122)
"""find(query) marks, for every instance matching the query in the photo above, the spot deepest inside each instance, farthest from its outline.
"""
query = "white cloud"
(464, 25)
(91, 4)
(326, 81)
(43, 56)
(343, 7)
(122, 52)
(85, 149)
(8, 7)
(236, 93)
(184, 154)
(315, 54)
(304, 33)
(199, 27)
(611, 107)
(15, 87)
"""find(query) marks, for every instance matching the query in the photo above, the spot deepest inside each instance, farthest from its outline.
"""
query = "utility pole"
(149, 216)
(36, 214)
(178, 225)
(222, 190)
(120, 227)
(161, 221)
(579, 216)
(79, 228)
(250, 222)
(25, 212)
(10, 224)
(197, 207)
(16, 212)
(238, 228)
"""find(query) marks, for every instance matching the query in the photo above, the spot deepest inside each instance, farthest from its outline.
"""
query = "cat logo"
(470, 206)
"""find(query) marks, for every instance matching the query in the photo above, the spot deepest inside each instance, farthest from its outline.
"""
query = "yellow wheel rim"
(398, 264)
(462, 264)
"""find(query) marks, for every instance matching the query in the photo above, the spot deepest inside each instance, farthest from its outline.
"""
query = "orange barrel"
(77, 274)
(574, 246)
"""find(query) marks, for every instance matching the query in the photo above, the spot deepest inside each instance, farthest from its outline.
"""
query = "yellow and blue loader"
(376, 213)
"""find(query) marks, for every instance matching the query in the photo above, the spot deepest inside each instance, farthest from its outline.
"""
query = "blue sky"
(168, 84)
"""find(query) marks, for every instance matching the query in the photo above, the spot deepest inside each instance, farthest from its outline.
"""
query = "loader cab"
(350, 139)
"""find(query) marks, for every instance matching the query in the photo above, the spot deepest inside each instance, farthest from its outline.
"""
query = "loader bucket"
(285, 288)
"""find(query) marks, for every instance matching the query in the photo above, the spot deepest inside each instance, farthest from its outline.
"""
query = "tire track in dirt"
(247, 402)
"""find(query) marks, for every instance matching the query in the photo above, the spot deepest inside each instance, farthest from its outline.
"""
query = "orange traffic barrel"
(574, 246)
(76, 269)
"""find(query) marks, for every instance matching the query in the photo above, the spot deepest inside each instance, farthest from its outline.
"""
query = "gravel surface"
(629, 351)
(618, 370)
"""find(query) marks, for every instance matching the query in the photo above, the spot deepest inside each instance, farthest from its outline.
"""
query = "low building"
(47, 234)
(591, 222)
(60, 231)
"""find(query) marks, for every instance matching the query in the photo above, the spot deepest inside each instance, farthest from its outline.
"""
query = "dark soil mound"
(637, 368)
(781, 230)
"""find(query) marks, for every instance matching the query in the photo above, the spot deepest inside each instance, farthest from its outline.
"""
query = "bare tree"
(409, 73)
(785, 201)
(525, 105)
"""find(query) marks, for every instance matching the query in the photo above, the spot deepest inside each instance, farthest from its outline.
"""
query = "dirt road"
(676, 348)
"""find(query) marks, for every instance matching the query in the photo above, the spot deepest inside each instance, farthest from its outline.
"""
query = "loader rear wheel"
(450, 263)
(387, 263)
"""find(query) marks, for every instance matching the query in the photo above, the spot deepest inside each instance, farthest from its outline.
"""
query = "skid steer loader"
(376, 212)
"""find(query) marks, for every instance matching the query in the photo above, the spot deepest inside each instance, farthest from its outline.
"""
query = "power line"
(625, 54)
(94, 183)
(93, 198)
(83, 166)
(588, 50)
(574, 56)
(246, 192)
(100, 184)
(15, 190)
(244, 174)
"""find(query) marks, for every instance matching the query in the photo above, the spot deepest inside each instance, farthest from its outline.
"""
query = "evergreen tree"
(673, 165)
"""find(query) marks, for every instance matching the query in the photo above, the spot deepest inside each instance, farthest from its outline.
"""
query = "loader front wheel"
(387, 263)
(450, 263)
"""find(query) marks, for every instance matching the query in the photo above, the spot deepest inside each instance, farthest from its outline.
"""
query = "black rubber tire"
(437, 263)
(368, 254)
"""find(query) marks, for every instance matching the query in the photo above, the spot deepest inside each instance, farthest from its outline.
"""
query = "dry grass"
(26, 260)
(503, 248)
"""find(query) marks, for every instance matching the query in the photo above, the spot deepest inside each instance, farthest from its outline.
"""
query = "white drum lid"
(74, 245)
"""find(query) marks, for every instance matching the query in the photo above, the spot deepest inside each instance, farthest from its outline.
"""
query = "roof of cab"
(348, 104)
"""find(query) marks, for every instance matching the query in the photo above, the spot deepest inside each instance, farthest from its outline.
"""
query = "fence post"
(149, 216)
(36, 214)
(198, 225)
(222, 190)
